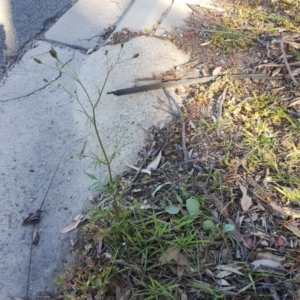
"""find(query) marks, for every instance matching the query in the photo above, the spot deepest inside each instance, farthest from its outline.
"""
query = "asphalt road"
(22, 20)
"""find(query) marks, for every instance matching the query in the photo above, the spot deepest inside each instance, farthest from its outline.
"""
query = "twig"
(219, 117)
(208, 177)
(184, 150)
(180, 164)
(286, 61)
(140, 168)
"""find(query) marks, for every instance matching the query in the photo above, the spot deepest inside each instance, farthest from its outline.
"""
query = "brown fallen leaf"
(277, 210)
(269, 265)
(216, 71)
(246, 201)
(232, 269)
(73, 224)
(191, 124)
(173, 254)
(271, 256)
(222, 209)
(293, 229)
(291, 212)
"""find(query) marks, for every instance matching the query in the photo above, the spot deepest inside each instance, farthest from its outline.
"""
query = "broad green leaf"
(208, 225)
(172, 209)
(91, 176)
(193, 205)
(228, 228)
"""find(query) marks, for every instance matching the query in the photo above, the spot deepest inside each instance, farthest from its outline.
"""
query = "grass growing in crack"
(92, 115)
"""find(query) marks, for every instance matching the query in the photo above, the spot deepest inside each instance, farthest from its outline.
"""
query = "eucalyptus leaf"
(193, 205)
(172, 209)
(208, 225)
(158, 188)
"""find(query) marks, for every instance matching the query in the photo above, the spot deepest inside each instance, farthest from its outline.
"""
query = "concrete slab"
(143, 15)
(180, 11)
(174, 18)
(129, 114)
(86, 21)
(38, 136)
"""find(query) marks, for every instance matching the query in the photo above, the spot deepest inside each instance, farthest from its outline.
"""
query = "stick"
(184, 150)
(286, 61)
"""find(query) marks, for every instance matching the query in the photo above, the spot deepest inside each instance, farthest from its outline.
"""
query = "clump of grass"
(146, 255)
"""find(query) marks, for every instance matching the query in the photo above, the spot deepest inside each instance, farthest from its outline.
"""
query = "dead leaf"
(137, 169)
(222, 209)
(246, 201)
(254, 216)
(216, 71)
(73, 224)
(173, 254)
(191, 124)
(287, 144)
(277, 209)
(168, 255)
(232, 269)
(154, 164)
(268, 265)
(271, 256)
(293, 229)
(280, 241)
(295, 101)
(291, 212)
(296, 72)
(223, 274)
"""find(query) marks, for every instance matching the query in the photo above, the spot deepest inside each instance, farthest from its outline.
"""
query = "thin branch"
(286, 61)
(219, 117)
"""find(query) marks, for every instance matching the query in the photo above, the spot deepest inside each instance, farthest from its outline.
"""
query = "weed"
(92, 116)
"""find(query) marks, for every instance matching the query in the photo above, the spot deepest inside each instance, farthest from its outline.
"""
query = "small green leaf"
(172, 209)
(208, 225)
(91, 176)
(228, 228)
(38, 61)
(135, 55)
(193, 205)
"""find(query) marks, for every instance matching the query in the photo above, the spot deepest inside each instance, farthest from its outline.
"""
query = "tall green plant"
(93, 103)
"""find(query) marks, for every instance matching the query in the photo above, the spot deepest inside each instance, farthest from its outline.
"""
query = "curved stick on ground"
(286, 61)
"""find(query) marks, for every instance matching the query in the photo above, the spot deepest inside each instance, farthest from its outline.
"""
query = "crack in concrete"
(41, 206)
(163, 15)
(41, 88)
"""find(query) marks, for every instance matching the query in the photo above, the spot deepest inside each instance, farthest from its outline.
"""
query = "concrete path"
(42, 133)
